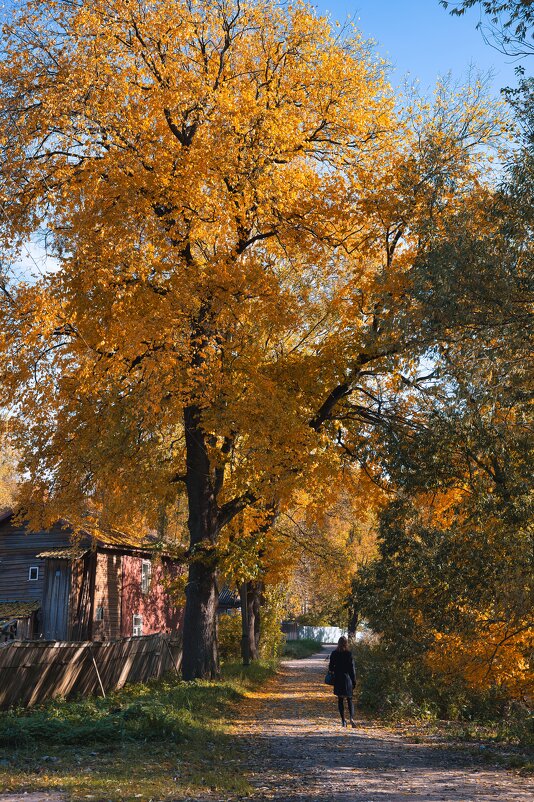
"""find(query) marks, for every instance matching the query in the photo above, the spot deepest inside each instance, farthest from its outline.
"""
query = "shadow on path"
(297, 750)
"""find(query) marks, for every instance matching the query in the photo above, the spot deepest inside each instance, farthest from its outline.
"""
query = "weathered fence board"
(32, 672)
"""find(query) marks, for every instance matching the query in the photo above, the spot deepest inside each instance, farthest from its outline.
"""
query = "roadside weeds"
(165, 739)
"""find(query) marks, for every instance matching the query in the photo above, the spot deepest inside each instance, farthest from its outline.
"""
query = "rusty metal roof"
(63, 553)
(114, 538)
(17, 609)
(103, 537)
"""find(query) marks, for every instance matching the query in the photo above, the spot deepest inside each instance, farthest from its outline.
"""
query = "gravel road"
(297, 750)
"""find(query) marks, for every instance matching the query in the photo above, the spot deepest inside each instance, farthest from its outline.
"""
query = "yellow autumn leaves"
(236, 201)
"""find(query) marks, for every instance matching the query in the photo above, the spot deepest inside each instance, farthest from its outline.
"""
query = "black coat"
(342, 666)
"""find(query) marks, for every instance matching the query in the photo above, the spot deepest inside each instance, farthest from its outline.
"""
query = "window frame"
(146, 576)
(30, 577)
(137, 625)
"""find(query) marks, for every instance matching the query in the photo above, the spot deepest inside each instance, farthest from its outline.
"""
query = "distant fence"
(32, 672)
(294, 631)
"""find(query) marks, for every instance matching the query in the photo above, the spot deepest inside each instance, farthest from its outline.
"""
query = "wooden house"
(229, 601)
(59, 588)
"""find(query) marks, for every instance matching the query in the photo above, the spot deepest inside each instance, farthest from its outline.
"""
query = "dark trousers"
(350, 705)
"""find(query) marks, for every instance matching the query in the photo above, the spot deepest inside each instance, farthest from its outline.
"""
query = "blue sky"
(417, 36)
(421, 38)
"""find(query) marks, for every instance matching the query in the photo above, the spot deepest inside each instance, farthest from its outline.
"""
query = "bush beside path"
(297, 750)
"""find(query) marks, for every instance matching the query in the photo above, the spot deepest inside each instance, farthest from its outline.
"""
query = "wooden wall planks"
(32, 672)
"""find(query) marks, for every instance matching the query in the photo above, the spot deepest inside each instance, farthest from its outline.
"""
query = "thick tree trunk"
(200, 652)
(256, 605)
(250, 595)
(353, 622)
(245, 624)
(252, 626)
(204, 482)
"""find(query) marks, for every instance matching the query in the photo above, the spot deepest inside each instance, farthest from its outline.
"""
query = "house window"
(137, 628)
(99, 615)
(146, 575)
(33, 574)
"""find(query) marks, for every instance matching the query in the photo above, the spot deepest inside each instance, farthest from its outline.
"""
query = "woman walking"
(342, 667)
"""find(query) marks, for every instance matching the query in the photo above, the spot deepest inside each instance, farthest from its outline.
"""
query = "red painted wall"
(159, 614)
(107, 595)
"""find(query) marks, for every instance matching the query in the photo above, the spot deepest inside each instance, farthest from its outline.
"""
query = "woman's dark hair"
(343, 644)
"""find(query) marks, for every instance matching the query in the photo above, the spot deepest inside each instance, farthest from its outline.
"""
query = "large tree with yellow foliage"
(235, 206)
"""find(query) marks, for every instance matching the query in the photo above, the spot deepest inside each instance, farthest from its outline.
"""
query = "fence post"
(97, 671)
(171, 654)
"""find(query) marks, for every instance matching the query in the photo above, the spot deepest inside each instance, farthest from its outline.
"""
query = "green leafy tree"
(454, 572)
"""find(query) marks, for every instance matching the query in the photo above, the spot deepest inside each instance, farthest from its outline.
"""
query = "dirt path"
(297, 750)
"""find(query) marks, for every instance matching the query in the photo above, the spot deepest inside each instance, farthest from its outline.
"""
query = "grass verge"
(301, 648)
(162, 740)
(485, 741)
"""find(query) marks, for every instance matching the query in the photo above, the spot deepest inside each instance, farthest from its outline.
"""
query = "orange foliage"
(497, 654)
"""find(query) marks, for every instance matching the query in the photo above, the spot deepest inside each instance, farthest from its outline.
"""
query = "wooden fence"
(32, 672)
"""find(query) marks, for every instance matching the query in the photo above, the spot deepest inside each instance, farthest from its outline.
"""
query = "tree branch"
(235, 506)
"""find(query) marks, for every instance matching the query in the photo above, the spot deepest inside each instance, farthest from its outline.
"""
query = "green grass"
(301, 648)
(163, 739)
